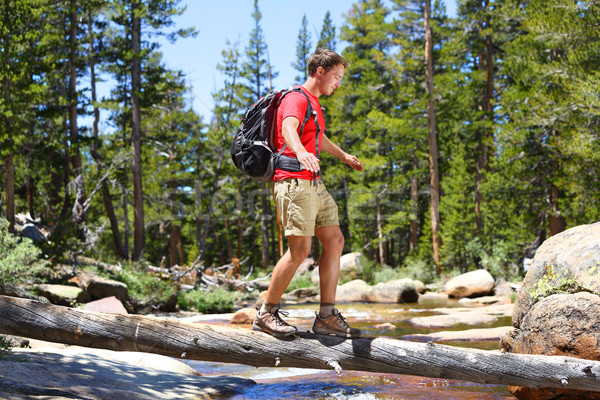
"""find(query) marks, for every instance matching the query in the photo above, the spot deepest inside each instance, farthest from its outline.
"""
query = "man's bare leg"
(267, 319)
(332, 239)
(328, 320)
(298, 250)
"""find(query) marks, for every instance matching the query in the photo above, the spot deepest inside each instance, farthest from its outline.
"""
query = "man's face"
(332, 79)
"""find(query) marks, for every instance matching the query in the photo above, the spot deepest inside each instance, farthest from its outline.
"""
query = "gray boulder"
(472, 284)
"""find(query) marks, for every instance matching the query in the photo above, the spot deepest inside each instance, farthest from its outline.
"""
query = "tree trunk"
(215, 343)
(414, 208)
(79, 213)
(139, 235)
(433, 146)
(108, 204)
(8, 161)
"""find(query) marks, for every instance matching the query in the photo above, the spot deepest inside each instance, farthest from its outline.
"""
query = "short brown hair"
(324, 58)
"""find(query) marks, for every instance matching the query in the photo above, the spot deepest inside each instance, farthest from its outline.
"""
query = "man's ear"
(320, 71)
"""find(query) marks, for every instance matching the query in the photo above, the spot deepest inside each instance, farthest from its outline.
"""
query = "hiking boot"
(272, 324)
(334, 324)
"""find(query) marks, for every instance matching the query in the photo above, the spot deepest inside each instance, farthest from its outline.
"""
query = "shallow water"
(298, 383)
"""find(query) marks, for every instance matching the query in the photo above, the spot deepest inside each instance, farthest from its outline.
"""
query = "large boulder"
(472, 284)
(100, 288)
(396, 291)
(353, 291)
(556, 309)
(565, 263)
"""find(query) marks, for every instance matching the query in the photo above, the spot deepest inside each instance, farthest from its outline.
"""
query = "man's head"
(325, 70)
(326, 59)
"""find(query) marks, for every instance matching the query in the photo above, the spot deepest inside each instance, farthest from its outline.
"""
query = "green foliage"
(5, 344)
(142, 285)
(209, 302)
(418, 269)
(19, 258)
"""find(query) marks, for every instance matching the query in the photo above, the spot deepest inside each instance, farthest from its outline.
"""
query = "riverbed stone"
(396, 291)
(559, 325)
(568, 262)
(556, 308)
(100, 288)
(94, 374)
(110, 305)
(244, 316)
(471, 284)
(353, 291)
(63, 295)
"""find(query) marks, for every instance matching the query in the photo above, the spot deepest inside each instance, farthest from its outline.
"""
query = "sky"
(220, 20)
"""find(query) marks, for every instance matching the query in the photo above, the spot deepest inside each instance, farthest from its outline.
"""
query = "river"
(297, 383)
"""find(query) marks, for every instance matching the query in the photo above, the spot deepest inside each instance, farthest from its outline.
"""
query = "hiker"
(305, 207)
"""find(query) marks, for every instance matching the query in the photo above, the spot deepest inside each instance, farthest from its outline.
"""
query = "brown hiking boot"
(272, 324)
(334, 324)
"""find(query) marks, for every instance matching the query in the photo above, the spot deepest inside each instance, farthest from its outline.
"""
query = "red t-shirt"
(294, 104)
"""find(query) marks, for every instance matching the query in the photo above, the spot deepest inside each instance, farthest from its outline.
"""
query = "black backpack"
(253, 150)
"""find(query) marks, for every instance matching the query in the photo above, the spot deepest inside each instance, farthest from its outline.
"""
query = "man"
(305, 207)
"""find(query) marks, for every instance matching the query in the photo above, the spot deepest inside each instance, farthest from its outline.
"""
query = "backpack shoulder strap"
(309, 112)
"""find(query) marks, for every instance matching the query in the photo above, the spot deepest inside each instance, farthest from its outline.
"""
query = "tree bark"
(169, 337)
(106, 197)
(139, 235)
(79, 213)
(434, 204)
(8, 161)
(414, 207)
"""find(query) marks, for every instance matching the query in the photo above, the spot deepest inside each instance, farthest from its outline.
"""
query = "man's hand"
(309, 161)
(352, 161)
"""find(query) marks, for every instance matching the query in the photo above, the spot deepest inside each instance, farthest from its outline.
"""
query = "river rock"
(472, 284)
(244, 316)
(63, 295)
(396, 291)
(353, 291)
(558, 325)
(556, 308)
(110, 305)
(100, 288)
(565, 263)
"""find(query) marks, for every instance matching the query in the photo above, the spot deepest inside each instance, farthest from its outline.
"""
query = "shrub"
(19, 258)
(144, 286)
(208, 302)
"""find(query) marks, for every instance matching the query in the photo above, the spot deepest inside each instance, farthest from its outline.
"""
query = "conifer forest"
(479, 133)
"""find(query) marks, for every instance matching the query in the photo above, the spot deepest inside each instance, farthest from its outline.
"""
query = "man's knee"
(299, 248)
(334, 240)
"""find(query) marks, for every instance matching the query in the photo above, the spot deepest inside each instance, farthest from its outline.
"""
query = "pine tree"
(327, 38)
(303, 51)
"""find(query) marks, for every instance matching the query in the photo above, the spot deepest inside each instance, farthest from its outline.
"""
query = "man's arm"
(289, 130)
(329, 147)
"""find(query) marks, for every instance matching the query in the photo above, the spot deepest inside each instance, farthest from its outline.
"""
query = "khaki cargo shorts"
(302, 206)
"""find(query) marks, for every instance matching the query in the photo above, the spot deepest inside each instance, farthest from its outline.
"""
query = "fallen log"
(32, 319)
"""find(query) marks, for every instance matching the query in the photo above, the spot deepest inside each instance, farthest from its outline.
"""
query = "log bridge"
(36, 320)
